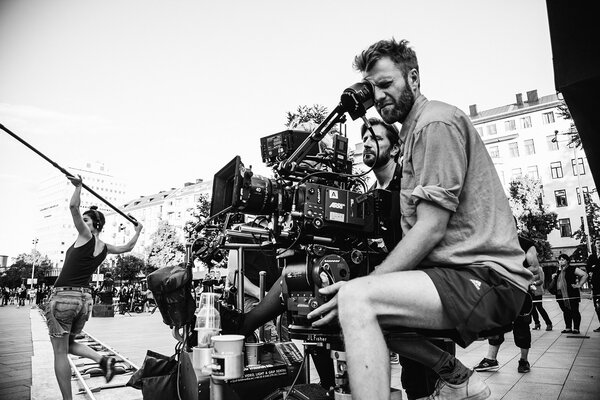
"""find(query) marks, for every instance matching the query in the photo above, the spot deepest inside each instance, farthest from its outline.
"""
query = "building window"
(491, 129)
(556, 170)
(526, 122)
(513, 149)
(494, 152)
(516, 173)
(581, 167)
(585, 191)
(529, 147)
(532, 172)
(548, 118)
(552, 143)
(479, 130)
(565, 227)
(510, 125)
(561, 198)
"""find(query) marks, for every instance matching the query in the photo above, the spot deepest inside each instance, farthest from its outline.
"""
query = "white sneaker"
(473, 389)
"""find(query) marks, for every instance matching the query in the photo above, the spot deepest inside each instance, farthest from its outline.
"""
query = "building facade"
(175, 206)
(55, 229)
(531, 138)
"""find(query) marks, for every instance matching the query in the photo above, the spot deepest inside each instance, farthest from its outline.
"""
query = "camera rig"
(314, 208)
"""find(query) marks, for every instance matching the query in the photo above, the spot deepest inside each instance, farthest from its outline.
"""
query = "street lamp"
(35, 242)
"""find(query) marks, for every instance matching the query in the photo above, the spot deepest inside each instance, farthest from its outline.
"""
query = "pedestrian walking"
(569, 280)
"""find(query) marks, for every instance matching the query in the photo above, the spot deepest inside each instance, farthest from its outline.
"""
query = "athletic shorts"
(477, 299)
(67, 312)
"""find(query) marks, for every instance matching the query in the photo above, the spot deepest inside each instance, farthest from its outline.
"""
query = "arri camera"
(321, 219)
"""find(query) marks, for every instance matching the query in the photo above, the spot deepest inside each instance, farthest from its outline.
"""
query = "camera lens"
(357, 99)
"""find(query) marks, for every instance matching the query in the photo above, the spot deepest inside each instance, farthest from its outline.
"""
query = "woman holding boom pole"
(70, 303)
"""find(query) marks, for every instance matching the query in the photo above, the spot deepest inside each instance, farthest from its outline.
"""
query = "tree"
(563, 111)
(306, 116)
(533, 218)
(201, 212)
(128, 267)
(592, 212)
(166, 248)
(20, 270)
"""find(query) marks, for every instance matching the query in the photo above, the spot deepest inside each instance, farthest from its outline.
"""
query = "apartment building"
(530, 137)
(176, 206)
(54, 230)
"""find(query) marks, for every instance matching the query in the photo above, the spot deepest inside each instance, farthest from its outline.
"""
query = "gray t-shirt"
(445, 162)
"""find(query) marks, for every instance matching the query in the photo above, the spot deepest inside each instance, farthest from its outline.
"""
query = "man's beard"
(401, 108)
(381, 160)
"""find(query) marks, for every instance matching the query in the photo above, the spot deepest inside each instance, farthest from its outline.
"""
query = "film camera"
(314, 207)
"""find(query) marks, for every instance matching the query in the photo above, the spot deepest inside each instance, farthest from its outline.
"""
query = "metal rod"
(262, 276)
(64, 171)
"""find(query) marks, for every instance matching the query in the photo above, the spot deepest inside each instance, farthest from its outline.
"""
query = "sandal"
(575, 331)
(566, 331)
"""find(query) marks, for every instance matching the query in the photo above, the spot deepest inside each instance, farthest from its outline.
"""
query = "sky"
(165, 92)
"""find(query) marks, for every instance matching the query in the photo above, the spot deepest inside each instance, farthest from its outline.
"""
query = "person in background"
(537, 294)
(521, 331)
(70, 304)
(569, 281)
(593, 267)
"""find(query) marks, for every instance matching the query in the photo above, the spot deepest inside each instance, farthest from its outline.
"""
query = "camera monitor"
(227, 184)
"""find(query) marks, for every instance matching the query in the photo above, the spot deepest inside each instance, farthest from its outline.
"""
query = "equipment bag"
(172, 290)
(162, 377)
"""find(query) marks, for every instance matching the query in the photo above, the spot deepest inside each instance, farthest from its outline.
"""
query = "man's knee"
(353, 299)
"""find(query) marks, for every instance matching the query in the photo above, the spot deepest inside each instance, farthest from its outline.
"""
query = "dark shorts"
(67, 312)
(477, 299)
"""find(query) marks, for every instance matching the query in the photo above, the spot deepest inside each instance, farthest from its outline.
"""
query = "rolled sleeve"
(441, 151)
(435, 194)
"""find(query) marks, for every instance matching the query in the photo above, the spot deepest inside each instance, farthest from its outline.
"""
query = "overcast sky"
(164, 92)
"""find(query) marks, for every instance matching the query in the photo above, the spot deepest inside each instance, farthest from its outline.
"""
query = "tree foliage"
(533, 218)
(306, 116)
(127, 267)
(592, 211)
(563, 111)
(166, 248)
(200, 214)
(20, 270)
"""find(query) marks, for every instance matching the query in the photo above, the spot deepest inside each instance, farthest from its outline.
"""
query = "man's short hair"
(391, 132)
(399, 52)
(565, 257)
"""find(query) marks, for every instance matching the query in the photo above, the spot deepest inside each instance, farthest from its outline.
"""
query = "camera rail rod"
(337, 115)
(67, 173)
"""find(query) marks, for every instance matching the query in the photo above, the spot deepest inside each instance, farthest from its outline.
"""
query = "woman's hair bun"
(93, 207)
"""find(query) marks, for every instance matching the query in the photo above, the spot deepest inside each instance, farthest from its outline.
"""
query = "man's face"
(370, 148)
(393, 97)
(597, 243)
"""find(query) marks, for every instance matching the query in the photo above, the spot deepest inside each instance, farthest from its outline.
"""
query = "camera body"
(315, 210)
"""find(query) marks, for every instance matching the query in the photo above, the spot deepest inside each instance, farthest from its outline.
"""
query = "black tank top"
(80, 264)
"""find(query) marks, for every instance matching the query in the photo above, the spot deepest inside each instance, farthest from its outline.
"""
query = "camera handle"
(337, 115)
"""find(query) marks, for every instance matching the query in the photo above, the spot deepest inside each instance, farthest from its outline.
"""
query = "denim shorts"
(67, 312)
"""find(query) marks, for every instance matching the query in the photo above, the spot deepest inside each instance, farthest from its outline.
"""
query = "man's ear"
(395, 149)
(414, 80)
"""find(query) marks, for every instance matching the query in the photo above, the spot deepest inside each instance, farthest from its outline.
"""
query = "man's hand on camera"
(328, 312)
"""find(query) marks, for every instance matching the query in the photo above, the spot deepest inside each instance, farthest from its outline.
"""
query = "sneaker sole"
(481, 395)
